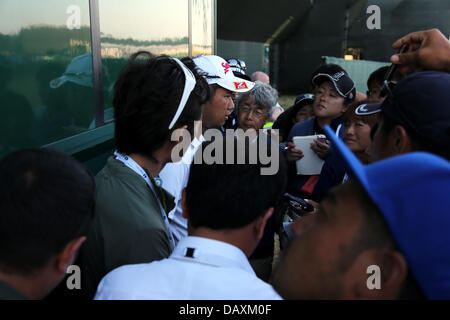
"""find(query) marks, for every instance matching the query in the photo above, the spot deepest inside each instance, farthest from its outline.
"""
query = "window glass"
(202, 13)
(160, 27)
(46, 88)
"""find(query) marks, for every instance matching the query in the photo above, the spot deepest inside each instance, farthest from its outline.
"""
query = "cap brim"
(304, 99)
(85, 81)
(368, 108)
(58, 82)
(355, 166)
(234, 84)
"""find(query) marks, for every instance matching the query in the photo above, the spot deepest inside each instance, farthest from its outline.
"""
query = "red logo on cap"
(226, 66)
(240, 85)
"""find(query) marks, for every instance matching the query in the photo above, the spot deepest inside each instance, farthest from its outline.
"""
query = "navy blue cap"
(421, 102)
(412, 193)
(304, 97)
(342, 82)
(368, 108)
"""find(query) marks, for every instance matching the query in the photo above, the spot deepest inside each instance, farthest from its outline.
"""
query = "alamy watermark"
(74, 280)
(251, 147)
(374, 20)
(374, 281)
(74, 20)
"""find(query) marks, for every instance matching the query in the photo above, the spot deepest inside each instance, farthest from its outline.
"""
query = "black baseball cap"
(342, 82)
(304, 97)
(368, 108)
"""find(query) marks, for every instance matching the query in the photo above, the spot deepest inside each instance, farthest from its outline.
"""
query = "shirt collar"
(211, 252)
(334, 125)
(196, 142)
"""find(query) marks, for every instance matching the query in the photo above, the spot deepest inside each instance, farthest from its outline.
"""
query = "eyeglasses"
(257, 112)
(189, 85)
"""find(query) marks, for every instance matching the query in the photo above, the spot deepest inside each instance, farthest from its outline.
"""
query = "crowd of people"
(150, 227)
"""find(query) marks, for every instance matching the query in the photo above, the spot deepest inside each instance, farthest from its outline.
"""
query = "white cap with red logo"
(219, 72)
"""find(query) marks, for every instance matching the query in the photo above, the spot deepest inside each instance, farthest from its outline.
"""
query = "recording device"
(291, 209)
(390, 73)
(296, 206)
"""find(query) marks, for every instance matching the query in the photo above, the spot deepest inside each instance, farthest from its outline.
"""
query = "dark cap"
(304, 97)
(368, 108)
(341, 81)
(421, 102)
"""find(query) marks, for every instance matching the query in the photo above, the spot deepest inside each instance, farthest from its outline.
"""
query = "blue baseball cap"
(79, 71)
(412, 192)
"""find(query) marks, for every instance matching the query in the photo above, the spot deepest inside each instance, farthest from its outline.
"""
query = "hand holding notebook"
(310, 164)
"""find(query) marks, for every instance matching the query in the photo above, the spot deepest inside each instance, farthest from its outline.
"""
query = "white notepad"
(310, 164)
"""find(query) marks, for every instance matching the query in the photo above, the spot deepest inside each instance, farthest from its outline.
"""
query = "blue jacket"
(333, 170)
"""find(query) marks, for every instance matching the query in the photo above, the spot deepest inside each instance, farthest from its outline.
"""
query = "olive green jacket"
(128, 226)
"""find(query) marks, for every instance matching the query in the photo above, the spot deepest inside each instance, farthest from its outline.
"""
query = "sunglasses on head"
(237, 63)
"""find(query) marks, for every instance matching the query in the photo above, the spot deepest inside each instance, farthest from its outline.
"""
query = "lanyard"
(130, 163)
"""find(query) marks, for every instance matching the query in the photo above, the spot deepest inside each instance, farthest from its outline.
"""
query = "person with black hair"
(332, 68)
(47, 202)
(334, 93)
(211, 263)
(223, 85)
(153, 98)
(375, 83)
(381, 235)
(414, 117)
(302, 110)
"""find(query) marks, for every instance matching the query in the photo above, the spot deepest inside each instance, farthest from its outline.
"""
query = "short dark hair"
(47, 199)
(231, 196)
(378, 76)
(331, 68)
(146, 97)
(418, 142)
(375, 233)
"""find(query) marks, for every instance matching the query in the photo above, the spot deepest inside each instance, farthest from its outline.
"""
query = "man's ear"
(183, 204)
(376, 274)
(401, 142)
(261, 222)
(67, 256)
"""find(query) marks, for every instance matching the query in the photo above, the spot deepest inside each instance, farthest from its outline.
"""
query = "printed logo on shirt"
(240, 85)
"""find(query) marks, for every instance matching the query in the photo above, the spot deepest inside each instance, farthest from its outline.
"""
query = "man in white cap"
(223, 84)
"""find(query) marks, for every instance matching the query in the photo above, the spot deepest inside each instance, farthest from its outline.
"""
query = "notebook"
(310, 164)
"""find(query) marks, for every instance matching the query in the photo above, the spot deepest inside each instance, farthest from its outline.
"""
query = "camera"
(295, 207)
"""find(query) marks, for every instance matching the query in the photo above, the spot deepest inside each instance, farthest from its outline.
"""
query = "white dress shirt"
(175, 177)
(198, 269)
